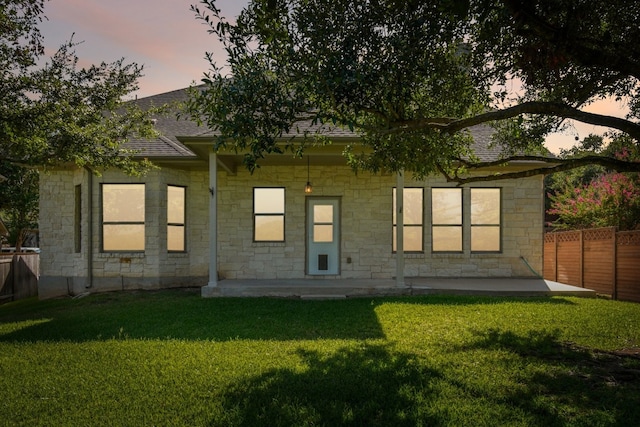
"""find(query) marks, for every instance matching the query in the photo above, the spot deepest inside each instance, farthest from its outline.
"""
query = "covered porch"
(354, 288)
(521, 206)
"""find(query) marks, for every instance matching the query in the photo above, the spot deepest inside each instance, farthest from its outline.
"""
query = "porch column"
(400, 228)
(210, 289)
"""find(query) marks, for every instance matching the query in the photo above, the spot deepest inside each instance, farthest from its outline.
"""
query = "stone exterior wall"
(63, 271)
(366, 237)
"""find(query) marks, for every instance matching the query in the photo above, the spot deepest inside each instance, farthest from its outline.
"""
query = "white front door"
(323, 235)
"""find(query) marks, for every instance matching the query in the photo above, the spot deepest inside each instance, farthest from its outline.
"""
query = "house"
(202, 218)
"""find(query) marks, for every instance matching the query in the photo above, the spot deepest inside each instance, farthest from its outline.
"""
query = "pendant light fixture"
(308, 189)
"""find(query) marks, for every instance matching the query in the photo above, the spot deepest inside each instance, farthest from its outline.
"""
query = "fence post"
(581, 260)
(555, 254)
(614, 252)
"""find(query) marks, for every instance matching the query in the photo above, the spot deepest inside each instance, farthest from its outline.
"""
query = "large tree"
(51, 110)
(411, 76)
(54, 112)
(19, 201)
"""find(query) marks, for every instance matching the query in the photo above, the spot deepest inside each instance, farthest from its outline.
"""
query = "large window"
(412, 219)
(446, 219)
(268, 214)
(485, 219)
(123, 217)
(176, 218)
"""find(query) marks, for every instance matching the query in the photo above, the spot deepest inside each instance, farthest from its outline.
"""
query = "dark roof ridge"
(177, 146)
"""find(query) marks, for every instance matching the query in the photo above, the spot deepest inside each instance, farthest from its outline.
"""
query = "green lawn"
(171, 358)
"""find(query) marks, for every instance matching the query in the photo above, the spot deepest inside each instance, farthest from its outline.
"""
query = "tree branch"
(450, 125)
(586, 51)
(560, 165)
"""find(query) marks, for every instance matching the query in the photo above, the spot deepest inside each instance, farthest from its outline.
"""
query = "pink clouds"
(165, 37)
(162, 35)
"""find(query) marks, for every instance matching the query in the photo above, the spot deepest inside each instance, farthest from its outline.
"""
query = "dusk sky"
(162, 35)
(165, 37)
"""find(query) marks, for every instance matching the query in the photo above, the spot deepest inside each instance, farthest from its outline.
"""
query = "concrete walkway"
(345, 288)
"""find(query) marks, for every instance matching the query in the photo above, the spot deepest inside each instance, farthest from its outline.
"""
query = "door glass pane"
(446, 205)
(323, 233)
(447, 239)
(269, 228)
(323, 213)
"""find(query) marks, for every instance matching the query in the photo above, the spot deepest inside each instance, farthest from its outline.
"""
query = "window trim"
(283, 214)
(394, 221)
(176, 224)
(460, 225)
(499, 225)
(103, 222)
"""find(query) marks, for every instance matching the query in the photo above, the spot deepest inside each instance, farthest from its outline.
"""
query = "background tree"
(593, 196)
(53, 112)
(19, 201)
(578, 177)
(411, 76)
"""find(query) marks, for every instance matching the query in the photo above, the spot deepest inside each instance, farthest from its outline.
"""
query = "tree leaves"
(57, 112)
(410, 77)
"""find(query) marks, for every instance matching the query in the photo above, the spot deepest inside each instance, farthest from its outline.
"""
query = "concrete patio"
(345, 288)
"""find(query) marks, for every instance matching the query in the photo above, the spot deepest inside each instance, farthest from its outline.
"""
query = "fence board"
(598, 259)
(550, 256)
(19, 275)
(568, 247)
(598, 255)
(25, 276)
(6, 277)
(628, 266)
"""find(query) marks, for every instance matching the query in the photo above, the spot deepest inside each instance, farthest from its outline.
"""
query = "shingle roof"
(483, 148)
(169, 126)
(172, 129)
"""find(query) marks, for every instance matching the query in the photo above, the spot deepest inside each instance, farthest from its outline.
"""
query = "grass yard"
(171, 358)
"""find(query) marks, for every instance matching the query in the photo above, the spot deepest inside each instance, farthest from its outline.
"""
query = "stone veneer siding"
(65, 272)
(366, 213)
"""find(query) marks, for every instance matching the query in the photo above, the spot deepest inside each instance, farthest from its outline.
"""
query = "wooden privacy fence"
(600, 259)
(19, 274)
